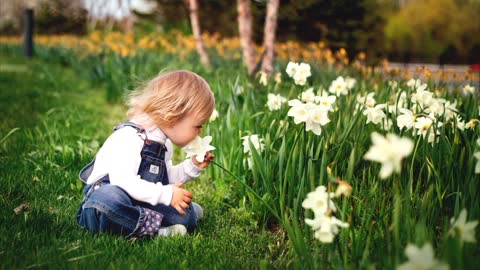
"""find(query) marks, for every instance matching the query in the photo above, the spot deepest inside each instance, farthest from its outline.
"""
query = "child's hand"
(208, 157)
(181, 198)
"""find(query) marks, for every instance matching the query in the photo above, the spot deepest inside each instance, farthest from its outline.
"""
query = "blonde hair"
(169, 97)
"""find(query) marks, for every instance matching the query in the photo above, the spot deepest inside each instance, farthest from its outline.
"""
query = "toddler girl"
(132, 188)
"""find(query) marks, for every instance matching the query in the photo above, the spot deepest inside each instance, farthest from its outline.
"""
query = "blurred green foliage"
(435, 31)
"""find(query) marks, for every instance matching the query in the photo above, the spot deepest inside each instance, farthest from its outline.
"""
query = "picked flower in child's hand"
(199, 148)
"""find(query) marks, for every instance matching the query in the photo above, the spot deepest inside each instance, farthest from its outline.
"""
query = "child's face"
(184, 131)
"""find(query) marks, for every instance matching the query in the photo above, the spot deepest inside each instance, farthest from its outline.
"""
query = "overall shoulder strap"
(87, 170)
(129, 124)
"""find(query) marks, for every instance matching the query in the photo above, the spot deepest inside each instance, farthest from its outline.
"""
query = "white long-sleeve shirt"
(119, 157)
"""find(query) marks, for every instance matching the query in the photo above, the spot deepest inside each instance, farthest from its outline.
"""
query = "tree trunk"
(197, 34)
(129, 23)
(245, 32)
(269, 35)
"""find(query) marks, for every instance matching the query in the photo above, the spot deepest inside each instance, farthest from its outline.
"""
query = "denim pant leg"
(172, 216)
(109, 209)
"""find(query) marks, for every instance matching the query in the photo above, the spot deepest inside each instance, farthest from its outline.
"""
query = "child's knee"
(110, 195)
(88, 218)
(189, 220)
(108, 208)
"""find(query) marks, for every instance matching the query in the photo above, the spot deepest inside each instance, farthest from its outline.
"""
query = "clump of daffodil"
(311, 110)
(324, 223)
(299, 72)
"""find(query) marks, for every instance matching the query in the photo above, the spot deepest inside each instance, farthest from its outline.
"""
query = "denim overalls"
(108, 208)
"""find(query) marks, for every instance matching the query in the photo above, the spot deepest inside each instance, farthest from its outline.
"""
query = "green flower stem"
(283, 193)
(249, 189)
(410, 184)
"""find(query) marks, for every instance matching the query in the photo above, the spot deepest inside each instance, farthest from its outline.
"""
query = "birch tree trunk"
(269, 35)
(245, 32)
(197, 34)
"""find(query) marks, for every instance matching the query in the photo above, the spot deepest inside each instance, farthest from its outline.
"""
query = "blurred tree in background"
(437, 31)
(51, 17)
(57, 16)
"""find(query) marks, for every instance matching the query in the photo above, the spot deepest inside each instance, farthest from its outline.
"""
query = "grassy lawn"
(53, 121)
(59, 107)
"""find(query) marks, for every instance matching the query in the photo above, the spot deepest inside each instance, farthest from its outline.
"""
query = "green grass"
(59, 120)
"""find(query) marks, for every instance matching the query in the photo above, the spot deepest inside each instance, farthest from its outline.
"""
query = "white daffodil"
(450, 110)
(412, 82)
(214, 115)
(437, 106)
(465, 230)
(263, 80)
(299, 80)
(338, 87)
(460, 123)
(468, 90)
(255, 140)
(389, 151)
(421, 259)
(319, 201)
(317, 118)
(303, 72)
(350, 82)
(416, 84)
(375, 114)
(325, 101)
(308, 95)
(199, 147)
(323, 234)
(275, 102)
(367, 100)
(298, 111)
(314, 116)
(423, 124)
(278, 77)
(292, 68)
(325, 227)
(422, 97)
(406, 119)
(324, 224)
